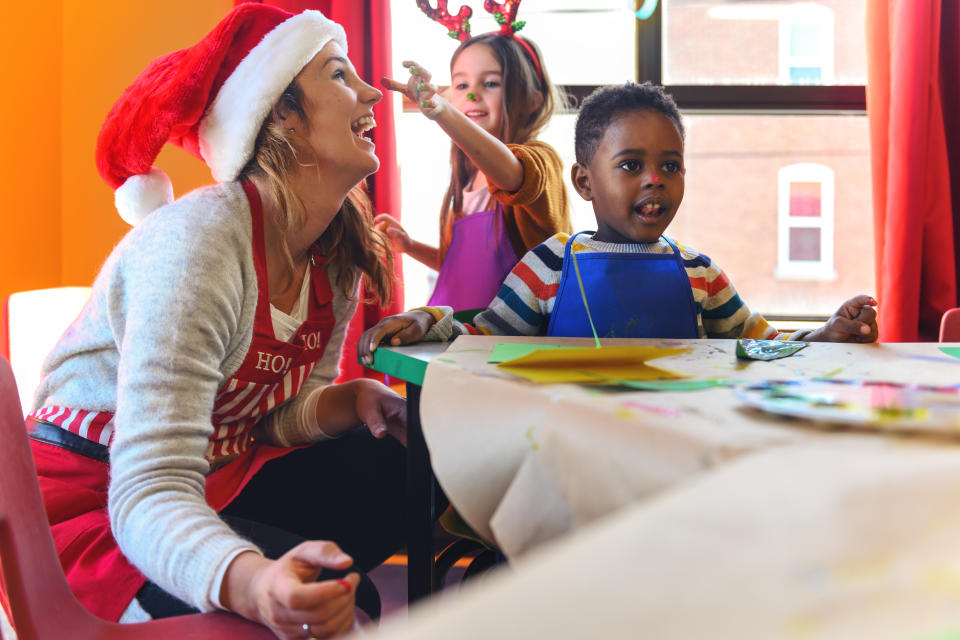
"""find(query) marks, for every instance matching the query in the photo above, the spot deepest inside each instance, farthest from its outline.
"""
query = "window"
(805, 208)
(806, 45)
(763, 86)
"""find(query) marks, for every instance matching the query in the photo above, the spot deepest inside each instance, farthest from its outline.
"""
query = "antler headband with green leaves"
(458, 26)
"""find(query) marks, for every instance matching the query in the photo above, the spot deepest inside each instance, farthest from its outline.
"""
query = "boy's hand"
(419, 90)
(396, 235)
(402, 328)
(854, 321)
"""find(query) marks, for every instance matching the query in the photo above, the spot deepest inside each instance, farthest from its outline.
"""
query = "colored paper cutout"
(686, 384)
(767, 349)
(853, 403)
(589, 364)
(951, 351)
(646, 10)
(503, 351)
(946, 635)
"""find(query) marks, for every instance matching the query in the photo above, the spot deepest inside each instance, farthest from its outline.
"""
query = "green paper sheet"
(503, 351)
(675, 385)
(951, 351)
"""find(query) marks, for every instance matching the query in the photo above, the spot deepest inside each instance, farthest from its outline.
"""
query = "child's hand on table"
(854, 321)
(402, 328)
(419, 90)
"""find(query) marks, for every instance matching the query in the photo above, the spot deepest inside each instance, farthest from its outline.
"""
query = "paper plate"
(873, 405)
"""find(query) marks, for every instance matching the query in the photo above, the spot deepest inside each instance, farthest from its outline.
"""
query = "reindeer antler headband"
(505, 13)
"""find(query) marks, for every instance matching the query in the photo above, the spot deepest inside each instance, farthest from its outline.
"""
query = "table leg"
(420, 504)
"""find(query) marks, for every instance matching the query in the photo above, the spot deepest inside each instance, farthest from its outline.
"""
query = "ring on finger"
(306, 631)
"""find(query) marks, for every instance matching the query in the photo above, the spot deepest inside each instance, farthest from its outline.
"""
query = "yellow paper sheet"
(589, 364)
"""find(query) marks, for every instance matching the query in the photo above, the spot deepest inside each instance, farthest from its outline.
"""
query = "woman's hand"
(396, 234)
(283, 594)
(402, 328)
(419, 90)
(382, 409)
(854, 321)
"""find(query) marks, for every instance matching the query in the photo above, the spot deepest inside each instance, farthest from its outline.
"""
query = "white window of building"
(805, 222)
(806, 45)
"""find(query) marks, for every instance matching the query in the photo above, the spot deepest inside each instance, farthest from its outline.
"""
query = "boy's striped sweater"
(526, 298)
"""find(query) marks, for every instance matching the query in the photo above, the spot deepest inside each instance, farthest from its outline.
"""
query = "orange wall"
(66, 62)
(30, 46)
(103, 50)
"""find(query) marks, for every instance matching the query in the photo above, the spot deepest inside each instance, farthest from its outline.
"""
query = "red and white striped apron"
(74, 486)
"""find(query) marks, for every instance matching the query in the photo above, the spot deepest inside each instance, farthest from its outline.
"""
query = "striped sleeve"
(723, 313)
(523, 304)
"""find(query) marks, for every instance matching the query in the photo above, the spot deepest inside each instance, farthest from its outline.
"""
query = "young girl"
(506, 192)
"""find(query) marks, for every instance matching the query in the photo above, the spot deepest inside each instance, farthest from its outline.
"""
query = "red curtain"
(367, 23)
(913, 102)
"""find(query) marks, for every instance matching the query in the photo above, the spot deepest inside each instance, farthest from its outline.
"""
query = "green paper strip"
(680, 384)
(399, 366)
(676, 385)
(943, 635)
(954, 352)
(503, 351)
(576, 267)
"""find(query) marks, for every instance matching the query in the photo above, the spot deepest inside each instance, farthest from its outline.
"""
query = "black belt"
(52, 434)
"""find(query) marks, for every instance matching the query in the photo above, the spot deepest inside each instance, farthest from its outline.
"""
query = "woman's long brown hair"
(350, 241)
(527, 107)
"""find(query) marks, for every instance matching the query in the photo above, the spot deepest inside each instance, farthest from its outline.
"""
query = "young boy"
(637, 282)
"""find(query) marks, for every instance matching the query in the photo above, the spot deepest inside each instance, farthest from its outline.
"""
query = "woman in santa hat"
(192, 449)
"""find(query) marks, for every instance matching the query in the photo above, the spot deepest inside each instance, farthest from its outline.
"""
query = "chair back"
(950, 326)
(30, 568)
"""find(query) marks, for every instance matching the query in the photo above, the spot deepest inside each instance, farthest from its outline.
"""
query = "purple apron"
(479, 258)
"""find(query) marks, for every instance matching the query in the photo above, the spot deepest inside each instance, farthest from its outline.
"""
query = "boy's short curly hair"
(606, 103)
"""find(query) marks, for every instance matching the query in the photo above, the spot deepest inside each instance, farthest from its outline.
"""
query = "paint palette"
(873, 405)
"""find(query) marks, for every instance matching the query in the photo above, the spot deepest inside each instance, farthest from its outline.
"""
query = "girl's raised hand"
(402, 328)
(396, 235)
(418, 89)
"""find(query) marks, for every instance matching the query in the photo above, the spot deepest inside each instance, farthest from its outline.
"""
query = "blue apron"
(631, 295)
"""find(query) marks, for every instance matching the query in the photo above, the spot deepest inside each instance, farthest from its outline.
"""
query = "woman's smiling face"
(635, 178)
(339, 110)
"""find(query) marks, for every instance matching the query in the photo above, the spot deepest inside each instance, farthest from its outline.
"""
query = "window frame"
(732, 99)
(812, 99)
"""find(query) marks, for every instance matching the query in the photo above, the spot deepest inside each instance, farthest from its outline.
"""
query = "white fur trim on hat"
(140, 195)
(229, 129)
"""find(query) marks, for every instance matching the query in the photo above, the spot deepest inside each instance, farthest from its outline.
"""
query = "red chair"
(950, 326)
(39, 603)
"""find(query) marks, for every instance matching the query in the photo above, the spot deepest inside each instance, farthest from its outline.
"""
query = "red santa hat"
(210, 99)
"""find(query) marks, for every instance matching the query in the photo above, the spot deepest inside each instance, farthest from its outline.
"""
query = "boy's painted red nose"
(654, 178)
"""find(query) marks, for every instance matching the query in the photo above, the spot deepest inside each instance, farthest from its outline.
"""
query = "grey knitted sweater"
(170, 320)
